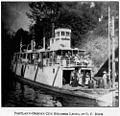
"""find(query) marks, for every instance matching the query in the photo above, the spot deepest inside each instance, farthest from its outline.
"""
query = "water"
(22, 95)
(25, 96)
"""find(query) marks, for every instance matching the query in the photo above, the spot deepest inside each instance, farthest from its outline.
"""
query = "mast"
(113, 53)
(109, 44)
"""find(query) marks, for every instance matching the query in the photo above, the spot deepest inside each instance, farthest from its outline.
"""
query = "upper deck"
(58, 53)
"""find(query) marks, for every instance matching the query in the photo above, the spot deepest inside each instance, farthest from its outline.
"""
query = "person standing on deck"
(91, 83)
(100, 83)
(58, 59)
(74, 78)
(109, 81)
(77, 61)
(105, 79)
(87, 78)
(80, 78)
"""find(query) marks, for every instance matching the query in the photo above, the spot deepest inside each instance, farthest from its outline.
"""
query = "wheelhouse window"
(57, 34)
(63, 33)
(67, 34)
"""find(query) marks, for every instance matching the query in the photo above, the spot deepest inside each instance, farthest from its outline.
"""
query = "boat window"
(62, 33)
(57, 34)
(57, 39)
(67, 34)
(65, 38)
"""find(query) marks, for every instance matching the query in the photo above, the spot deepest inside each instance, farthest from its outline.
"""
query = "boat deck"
(69, 87)
(98, 91)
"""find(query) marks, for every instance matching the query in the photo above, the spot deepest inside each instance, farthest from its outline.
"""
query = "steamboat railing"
(61, 62)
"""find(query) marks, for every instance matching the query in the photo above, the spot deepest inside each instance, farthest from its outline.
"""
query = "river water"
(18, 94)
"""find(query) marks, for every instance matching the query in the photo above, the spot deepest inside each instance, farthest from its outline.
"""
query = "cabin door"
(66, 76)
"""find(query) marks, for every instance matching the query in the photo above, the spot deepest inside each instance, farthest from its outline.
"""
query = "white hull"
(106, 100)
(52, 77)
(47, 75)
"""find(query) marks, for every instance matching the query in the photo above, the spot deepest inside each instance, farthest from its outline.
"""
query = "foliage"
(21, 35)
(75, 15)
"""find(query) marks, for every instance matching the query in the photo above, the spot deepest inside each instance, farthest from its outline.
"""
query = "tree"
(80, 17)
(43, 14)
(77, 16)
(21, 35)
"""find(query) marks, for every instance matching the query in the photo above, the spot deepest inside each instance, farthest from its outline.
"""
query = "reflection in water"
(26, 96)
(22, 95)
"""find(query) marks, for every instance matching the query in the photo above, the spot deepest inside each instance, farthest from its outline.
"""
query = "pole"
(44, 43)
(109, 44)
(53, 26)
(113, 54)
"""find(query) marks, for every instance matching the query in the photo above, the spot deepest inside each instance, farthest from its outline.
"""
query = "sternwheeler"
(60, 69)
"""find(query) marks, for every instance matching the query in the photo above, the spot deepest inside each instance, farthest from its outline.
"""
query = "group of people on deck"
(74, 58)
(80, 78)
(84, 79)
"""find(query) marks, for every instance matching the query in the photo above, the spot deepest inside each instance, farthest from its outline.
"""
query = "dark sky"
(13, 15)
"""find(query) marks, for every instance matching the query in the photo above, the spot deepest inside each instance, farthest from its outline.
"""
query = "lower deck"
(56, 76)
(51, 75)
(58, 79)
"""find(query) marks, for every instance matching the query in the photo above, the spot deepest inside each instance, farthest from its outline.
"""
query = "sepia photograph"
(60, 54)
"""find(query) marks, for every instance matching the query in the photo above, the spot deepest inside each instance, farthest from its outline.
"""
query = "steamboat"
(61, 69)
